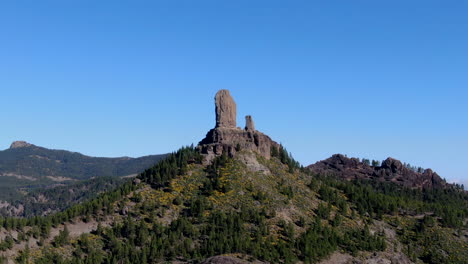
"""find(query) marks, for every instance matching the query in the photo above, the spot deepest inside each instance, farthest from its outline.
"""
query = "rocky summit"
(227, 138)
(20, 144)
(391, 170)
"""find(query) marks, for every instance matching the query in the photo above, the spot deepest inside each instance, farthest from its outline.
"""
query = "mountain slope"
(47, 200)
(35, 180)
(233, 200)
(252, 209)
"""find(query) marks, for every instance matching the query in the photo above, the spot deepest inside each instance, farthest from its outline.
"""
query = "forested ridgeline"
(44, 201)
(37, 162)
(38, 181)
(449, 206)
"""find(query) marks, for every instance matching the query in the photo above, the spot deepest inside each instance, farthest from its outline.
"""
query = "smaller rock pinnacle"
(249, 123)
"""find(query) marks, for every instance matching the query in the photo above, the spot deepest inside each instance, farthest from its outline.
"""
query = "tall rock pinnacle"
(227, 138)
(225, 109)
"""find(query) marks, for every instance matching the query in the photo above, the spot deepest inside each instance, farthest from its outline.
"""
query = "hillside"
(252, 209)
(46, 200)
(230, 200)
(27, 170)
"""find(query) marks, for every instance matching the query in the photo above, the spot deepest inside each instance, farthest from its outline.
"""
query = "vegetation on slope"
(263, 209)
(63, 177)
(43, 201)
(37, 162)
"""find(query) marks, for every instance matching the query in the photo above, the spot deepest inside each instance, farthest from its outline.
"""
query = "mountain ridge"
(27, 170)
(231, 200)
(26, 159)
(391, 170)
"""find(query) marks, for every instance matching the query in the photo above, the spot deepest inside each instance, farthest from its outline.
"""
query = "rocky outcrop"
(232, 140)
(350, 168)
(225, 109)
(391, 170)
(249, 123)
(227, 138)
(395, 171)
(20, 144)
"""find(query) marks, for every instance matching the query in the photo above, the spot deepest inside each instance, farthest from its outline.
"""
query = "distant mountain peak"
(20, 144)
(25, 159)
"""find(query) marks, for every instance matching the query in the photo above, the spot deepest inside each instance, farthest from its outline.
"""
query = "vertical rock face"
(227, 138)
(249, 123)
(225, 109)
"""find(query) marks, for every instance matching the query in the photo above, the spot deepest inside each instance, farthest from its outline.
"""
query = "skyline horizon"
(194, 144)
(369, 80)
(240, 127)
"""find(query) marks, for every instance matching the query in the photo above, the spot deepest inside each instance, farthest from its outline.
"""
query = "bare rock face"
(340, 165)
(228, 139)
(249, 123)
(393, 165)
(20, 144)
(391, 170)
(225, 109)
(232, 140)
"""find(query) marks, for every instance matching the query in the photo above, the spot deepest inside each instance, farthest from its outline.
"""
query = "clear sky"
(365, 78)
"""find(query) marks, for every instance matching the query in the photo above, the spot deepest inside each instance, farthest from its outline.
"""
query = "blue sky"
(365, 78)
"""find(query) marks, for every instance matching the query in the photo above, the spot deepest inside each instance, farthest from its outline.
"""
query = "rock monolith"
(225, 109)
(227, 138)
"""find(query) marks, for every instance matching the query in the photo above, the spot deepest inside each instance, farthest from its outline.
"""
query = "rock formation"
(227, 138)
(249, 123)
(391, 170)
(20, 144)
(225, 109)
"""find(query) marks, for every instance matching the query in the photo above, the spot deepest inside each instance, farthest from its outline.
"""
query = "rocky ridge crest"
(390, 170)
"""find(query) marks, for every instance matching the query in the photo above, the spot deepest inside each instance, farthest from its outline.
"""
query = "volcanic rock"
(249, 123)
(393, 165)
(225, 109)
(20, 144)
(391, 170)
(228, 139)
(340, 165)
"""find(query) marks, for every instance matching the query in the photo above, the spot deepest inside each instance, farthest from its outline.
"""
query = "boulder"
(393, 165)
